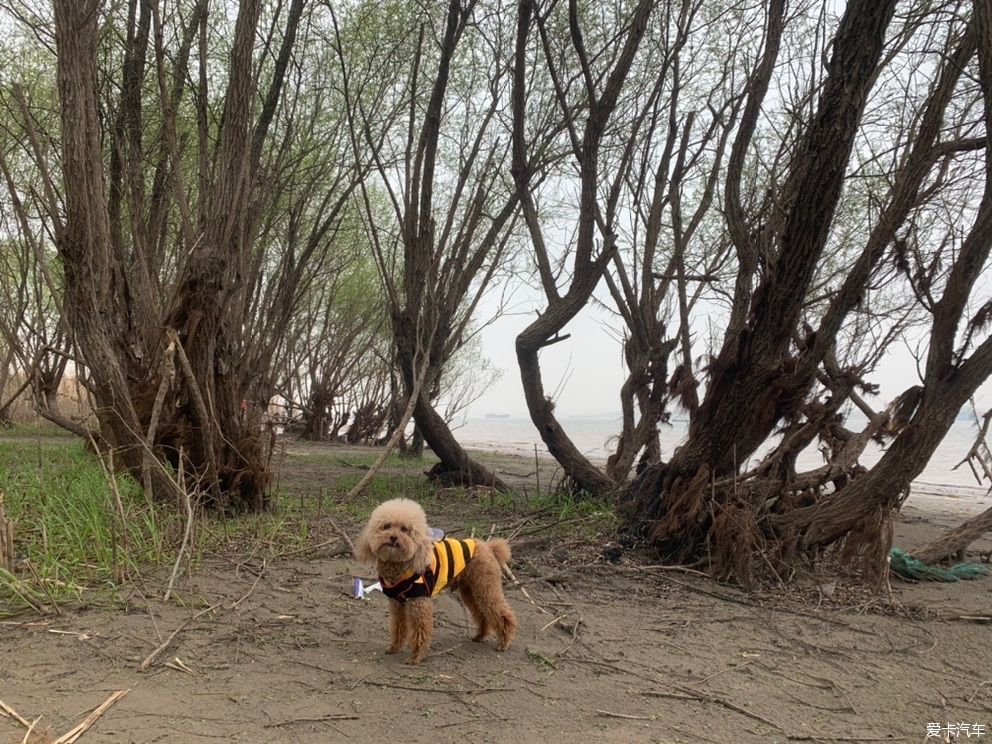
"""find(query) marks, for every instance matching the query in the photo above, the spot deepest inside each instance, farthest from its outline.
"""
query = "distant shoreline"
(595, 438)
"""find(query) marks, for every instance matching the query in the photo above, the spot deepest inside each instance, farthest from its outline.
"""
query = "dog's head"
(396, 533)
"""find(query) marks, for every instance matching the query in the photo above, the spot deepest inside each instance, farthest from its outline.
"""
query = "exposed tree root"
(467, 476)
(733, 540)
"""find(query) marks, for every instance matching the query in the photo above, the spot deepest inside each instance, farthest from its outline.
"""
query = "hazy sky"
(587, 371)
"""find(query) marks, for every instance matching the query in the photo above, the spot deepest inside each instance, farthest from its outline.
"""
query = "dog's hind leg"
(494, 607)
(468, 599)
(420, 617)
(397, 626)
(498, 615)
(484, 578)
(502, 618)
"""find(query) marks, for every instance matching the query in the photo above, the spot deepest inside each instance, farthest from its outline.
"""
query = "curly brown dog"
(413, 569)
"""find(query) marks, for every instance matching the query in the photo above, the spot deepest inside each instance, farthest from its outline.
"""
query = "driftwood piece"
(979, 454)
(956, 541)
(7, 712)
(74, 733)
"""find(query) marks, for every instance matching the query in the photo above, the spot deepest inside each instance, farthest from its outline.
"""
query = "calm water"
(595, 437)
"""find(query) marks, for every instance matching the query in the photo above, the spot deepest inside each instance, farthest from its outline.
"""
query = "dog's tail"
(501, 549)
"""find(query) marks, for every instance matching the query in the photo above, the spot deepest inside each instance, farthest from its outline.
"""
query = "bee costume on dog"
(449, 559)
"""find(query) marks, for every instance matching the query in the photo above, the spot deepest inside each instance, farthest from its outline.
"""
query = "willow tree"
(169, 158)
(648, 171)
(425, 93)
(586, 85)
(32, 327)
(788, 322)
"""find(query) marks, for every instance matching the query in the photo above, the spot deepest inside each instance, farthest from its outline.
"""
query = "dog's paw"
(394, 649)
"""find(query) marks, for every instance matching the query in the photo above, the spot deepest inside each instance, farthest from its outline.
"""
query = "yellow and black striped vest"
(449, 558)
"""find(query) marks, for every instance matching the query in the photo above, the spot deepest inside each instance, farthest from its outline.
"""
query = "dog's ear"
(363, 546)
(425, 546)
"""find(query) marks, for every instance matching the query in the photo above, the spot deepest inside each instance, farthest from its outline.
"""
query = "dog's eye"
(405, 529)
(386, 526)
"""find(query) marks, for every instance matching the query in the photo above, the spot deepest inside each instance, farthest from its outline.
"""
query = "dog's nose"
(392, 539)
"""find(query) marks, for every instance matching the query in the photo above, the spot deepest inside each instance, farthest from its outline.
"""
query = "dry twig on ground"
(165, 644)
(73, 734)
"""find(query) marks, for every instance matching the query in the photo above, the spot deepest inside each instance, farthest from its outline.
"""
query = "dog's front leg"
(397, 626)
(420, 616)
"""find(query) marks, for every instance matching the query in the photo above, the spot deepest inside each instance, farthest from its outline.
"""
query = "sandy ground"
(606, 653)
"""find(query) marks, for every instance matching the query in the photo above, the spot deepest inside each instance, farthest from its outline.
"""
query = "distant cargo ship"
(498, 415)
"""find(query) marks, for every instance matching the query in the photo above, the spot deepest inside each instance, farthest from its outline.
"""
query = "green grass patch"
(71, 544)
(382, 487)
(69, 539)
(284, 529)
(570, 506)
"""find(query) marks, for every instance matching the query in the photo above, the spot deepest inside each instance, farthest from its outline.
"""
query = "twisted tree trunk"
(109, 287)
(755, 380)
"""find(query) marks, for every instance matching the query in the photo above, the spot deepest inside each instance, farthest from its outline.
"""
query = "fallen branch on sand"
(446, 690)
(70, 736)
(625, 716)
(343, 534)
(310, 548)
(7, 712)
(511, 577)
(685, 695)
(316, 719)
(27, 734)
(73, 734)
